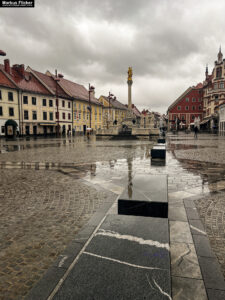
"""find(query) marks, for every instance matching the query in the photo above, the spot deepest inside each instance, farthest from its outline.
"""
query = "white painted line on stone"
(162, 292)
(131, 238)
(57, 287)
(199, 230)
(122, 262)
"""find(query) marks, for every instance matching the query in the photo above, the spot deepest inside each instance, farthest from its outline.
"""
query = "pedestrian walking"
(196, 132)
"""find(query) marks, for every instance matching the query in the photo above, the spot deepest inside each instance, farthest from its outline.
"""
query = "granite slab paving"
(131, 247)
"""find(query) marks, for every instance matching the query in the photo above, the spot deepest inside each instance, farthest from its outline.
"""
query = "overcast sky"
(167, 42)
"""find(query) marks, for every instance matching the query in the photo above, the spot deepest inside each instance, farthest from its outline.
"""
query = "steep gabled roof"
(179, 98)
(50, 83)
(115, 103)
(5, 79)
(26, 82)
(75, 90)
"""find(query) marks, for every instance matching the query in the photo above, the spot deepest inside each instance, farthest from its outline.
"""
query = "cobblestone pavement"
(205, 156)
(42, 210)
(40, 213)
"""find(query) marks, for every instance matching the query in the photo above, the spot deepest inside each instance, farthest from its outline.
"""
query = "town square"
(112, 150)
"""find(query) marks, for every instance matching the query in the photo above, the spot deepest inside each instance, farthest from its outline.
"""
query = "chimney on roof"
(7, 65)
(19, 69)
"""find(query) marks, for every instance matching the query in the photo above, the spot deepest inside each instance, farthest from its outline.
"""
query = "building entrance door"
(84, 129)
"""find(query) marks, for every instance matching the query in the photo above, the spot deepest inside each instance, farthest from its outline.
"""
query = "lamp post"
(90, 90)
(57, 103)
(109, 98)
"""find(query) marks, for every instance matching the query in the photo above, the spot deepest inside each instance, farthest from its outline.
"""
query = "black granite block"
(211, 273)
(145, 196)
(158, 152)
(215, 294)
(192, 213)
(128, 258)
(161, 141)
(202, 246)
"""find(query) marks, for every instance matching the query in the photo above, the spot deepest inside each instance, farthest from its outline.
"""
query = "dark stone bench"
(158, 151)
(147, 195)
(128, 258)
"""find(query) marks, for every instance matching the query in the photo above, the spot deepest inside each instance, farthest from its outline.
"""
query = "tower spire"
(206, 72)
(220, 55)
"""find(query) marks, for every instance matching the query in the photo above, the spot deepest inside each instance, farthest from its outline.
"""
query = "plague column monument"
(129, 82)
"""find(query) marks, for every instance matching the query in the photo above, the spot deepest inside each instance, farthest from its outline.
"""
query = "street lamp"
(57, 103)
(90, 90)
(110, 97)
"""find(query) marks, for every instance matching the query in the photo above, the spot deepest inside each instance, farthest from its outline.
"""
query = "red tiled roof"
(4, 81)
(199, 86)
(27, 82)
(51, 83)
(77, 91)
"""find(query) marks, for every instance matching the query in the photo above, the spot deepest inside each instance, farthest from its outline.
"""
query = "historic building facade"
(114, 112)
(183, 111)
(214, 93)
(9, 94)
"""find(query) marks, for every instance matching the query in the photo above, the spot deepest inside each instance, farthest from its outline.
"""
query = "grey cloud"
(93, 40)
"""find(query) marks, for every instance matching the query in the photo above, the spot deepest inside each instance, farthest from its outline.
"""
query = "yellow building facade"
(114, 112)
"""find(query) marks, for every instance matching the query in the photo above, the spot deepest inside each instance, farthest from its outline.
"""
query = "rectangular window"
(84, 115)
(193, 107)
(200, 107)
(63, 116)
(68, 116)
(192, 117)
(51, 116)
(34, 101)
(187, 99)
(69, 104)
(0, 95)
(11, 111)
(178, 108)
(10, 96)
(56, 102)
(57, 115)
(25, 100)
(44, 115)
(221, 85)
(193, 99)
(50, 103)
(183, 117)
(186, 107)
(215, 86)
(63, 103)
(174, 117)
(34, 115)
(26, 115)
(1, 112)
(3, 129)
(44, 102)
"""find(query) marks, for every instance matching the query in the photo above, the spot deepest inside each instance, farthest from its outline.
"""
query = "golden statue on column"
(129, 82)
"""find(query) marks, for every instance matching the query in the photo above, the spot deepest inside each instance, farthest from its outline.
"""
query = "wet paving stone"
(50, 188)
